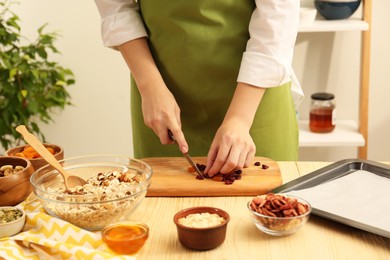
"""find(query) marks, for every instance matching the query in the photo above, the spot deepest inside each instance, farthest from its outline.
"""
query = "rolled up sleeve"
(268, 57)
(120, 22)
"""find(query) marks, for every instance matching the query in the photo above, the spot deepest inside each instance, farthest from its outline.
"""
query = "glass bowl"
(274, 222)
(125, 237)
(116, 187)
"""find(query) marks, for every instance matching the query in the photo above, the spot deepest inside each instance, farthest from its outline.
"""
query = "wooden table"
(318, 239)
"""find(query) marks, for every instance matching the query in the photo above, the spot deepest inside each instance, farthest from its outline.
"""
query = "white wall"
(99, 121)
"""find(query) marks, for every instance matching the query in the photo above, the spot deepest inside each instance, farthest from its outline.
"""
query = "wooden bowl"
(38, 162)
(16, 187)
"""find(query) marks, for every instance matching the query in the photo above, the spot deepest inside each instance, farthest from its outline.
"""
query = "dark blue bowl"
(336, 10)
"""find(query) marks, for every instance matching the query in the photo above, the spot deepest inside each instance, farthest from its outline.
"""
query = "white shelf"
(345, 134)
(322, 25)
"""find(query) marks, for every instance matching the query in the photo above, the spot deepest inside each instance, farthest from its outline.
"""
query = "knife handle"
(171, 136)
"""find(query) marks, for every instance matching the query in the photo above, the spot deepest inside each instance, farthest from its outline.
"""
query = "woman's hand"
(159, 107)
(233, 147)
(161, 112)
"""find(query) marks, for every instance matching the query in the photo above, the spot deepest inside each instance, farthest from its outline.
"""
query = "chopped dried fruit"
(228, 178)
(190, 169)
(257, 163)
(238, 171)
(265, 167)
(30, 153)
(201, 167)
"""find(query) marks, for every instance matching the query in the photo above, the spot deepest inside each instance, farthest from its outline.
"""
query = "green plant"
(31, 86)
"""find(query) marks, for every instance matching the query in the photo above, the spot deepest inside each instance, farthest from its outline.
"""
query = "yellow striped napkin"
(46, 237)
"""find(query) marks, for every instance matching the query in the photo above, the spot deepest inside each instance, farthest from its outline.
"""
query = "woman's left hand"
(232, 148)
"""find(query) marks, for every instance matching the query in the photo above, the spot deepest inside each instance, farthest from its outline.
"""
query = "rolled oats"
(103, 198)
(201, 220)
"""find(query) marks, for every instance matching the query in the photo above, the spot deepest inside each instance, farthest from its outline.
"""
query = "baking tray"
(334, 171)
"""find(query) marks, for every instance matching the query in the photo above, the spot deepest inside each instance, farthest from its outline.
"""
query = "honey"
(322, 113)
(125, 238)
(321, 120)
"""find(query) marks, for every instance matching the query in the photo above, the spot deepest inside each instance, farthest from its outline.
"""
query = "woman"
(216, 73)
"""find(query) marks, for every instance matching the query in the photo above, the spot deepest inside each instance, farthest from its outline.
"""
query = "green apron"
(198, 47)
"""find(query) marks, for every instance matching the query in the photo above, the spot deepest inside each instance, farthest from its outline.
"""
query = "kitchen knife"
(187, 156)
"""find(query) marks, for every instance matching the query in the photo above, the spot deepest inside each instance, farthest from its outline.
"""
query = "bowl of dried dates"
(279, 214)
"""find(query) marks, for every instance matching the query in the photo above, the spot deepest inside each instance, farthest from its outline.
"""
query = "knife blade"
(187, 156)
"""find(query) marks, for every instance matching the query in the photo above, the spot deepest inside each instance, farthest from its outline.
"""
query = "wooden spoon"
(69, 180)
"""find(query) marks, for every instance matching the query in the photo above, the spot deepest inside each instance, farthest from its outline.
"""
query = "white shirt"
(267, 61)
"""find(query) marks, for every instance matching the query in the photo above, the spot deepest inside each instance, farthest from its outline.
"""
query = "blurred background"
(99, 120)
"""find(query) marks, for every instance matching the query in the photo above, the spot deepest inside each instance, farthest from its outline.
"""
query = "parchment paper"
(361, 196)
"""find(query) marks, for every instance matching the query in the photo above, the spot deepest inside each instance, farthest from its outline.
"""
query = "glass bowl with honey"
(125, 238)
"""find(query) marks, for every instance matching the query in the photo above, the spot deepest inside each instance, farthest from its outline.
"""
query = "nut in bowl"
(27, 152)
(12, 220)
(201, 228)
(279, 214)
(15, 173)
(115, 186)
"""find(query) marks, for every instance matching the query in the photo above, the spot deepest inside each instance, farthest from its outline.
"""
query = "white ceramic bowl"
(12, 228)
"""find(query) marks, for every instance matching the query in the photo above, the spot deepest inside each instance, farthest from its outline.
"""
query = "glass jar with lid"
(322, 113)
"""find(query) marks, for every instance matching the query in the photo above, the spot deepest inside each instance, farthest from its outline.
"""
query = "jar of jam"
(322, 113)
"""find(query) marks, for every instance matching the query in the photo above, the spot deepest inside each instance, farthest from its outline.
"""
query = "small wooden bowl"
(16, 187)
(38, 162)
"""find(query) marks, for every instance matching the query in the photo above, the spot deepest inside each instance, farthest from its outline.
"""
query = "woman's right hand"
(159, 107)
(161, 112)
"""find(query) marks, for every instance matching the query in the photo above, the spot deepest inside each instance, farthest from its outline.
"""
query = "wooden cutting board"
(171, 178)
